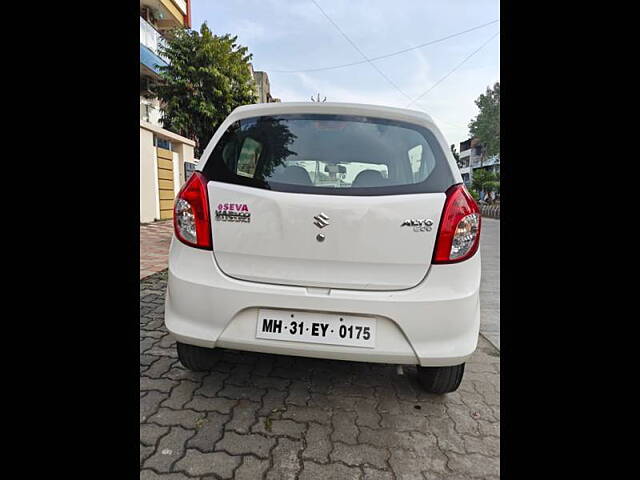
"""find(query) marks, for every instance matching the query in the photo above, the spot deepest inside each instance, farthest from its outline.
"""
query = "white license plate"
(314, 327)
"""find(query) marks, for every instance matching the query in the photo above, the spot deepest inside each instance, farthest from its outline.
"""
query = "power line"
(448, 123)
(391, 82)
(431, 42)
(453, 70)
(368, 60)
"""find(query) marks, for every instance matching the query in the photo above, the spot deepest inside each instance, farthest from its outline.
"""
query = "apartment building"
(163, 154)
(156, 18)
(472, 158)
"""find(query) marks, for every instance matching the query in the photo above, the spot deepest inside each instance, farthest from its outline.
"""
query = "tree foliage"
(486, 125)
(276, 137)
(207, 77)
(485, 180)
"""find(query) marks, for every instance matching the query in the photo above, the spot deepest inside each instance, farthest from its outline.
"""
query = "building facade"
(263, 87)
(156, 18)
(472, 158)
(163, 154)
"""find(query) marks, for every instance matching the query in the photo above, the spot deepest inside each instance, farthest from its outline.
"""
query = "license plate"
(330, 329)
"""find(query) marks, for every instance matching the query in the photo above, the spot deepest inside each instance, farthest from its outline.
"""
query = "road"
(490, 284)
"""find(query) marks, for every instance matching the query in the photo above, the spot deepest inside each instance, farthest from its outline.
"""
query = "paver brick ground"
(155, 239)
(265, 416)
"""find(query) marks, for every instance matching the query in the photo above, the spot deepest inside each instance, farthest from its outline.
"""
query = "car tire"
(440, 379)
(197, 359)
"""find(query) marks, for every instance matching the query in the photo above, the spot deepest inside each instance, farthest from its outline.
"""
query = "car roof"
(278, 108)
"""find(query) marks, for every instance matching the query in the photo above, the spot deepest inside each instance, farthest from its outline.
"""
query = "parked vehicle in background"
(327, 230)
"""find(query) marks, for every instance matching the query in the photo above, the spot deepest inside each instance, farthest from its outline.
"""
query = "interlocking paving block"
(251, 468)
(149, 434)
(356, 455)
(243, 416)
(237, 444)
(319, 444)
(285, 460)
(332, 471)
(278, 417)
(210, 430)
(170, 448)
(195, 463)
(287, 428)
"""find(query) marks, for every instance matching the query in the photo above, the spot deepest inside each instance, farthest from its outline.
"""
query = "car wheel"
(197, 359)
(440, 379)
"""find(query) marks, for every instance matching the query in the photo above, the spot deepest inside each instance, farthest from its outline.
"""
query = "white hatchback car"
(327, 230)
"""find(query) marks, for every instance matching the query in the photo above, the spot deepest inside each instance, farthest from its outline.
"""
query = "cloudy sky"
(294, 35)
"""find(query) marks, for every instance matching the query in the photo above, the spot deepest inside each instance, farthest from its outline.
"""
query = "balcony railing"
(494, 160)
(150, 37)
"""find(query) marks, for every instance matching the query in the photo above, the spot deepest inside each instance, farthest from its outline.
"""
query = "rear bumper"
(435, 323)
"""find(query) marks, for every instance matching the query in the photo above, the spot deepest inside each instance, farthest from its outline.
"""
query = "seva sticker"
(233, 212)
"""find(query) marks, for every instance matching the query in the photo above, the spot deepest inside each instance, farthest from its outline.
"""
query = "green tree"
(207, 77)
(277, 137)
(486, 125)
(485, 180)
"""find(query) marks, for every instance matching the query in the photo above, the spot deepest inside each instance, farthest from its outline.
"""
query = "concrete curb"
(491, 211)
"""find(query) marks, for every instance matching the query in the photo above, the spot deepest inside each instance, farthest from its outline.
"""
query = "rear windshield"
(330, 154)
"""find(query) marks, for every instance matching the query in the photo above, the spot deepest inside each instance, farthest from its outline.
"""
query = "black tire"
(197, 359)
(440, 379)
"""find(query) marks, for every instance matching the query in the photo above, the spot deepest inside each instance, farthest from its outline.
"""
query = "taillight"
(191, 220)
(459, 232)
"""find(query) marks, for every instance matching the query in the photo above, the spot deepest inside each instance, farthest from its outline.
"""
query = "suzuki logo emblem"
(321, 220)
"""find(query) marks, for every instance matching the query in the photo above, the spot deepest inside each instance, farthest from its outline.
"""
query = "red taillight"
(459, 232)
(191, 220)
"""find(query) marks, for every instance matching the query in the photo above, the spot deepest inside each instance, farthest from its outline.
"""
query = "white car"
(327, 230)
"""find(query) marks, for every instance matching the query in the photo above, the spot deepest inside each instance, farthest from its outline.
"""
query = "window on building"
(162, 143)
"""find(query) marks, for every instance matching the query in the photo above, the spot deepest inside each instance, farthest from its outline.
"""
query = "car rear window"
(330, 154)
